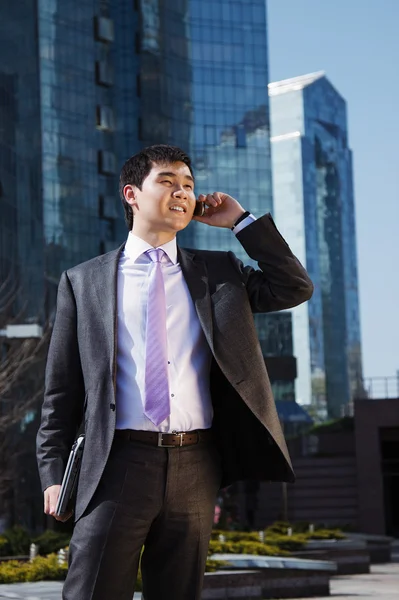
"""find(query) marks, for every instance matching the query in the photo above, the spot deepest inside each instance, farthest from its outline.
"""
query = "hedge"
(245, 547)
(276, 543)
(40, 569)
(47, 569)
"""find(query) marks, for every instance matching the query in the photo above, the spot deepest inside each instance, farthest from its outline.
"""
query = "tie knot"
(155, 254)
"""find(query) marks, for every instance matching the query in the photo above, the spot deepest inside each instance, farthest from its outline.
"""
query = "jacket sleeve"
(64, 390)
(281, 281)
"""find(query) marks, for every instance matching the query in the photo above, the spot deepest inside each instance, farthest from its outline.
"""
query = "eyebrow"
(171, 174)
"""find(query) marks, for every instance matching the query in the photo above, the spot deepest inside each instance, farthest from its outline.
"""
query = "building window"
(105, 118)
(104, 73)
(106, 162)
(103, 29)
(241, 137)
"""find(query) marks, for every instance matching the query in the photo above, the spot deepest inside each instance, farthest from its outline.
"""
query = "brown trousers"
(159, 498)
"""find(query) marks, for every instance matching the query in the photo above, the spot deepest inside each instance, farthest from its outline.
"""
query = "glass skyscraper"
(314, 206)
(87, 83)
(229, 138)
(61, 105)
(21, 208)
(203, 84)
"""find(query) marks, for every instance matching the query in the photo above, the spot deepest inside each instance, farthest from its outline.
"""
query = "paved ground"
(43, 590)
(382, 584)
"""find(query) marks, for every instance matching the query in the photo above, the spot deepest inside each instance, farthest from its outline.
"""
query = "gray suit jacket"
(81, 364)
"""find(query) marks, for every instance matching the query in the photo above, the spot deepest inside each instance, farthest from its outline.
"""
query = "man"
(154, 350)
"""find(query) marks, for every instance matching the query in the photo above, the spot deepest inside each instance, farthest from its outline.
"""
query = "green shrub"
(214, 565)
(18, 540)
(280, 527)
(4, 546)
(284, 542)
(245, 547)
(12, 571)
(48, 569)
(51, 541)
(40, 569)
(235, 536)
(326, 534)
(276, 540)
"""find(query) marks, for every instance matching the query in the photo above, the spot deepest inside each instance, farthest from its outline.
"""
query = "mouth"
(178, 208)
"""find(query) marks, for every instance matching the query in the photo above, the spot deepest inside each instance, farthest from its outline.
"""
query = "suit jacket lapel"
(105, 280)
(196, 276)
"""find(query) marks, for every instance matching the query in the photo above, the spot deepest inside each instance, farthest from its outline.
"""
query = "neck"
(154, 238)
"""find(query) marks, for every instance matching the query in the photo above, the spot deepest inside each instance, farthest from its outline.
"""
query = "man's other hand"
(50, 502)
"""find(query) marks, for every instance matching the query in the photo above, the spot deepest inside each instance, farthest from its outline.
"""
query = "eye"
(190, 187)
(166, 181)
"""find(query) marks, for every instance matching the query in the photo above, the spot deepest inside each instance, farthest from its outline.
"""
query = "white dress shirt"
(189, 356)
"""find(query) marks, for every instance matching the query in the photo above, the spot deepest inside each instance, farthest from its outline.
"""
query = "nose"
(180, 192)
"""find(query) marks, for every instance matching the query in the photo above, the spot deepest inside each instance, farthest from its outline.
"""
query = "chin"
(178, 226)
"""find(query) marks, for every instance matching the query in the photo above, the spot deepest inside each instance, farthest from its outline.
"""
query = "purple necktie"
(156, 402)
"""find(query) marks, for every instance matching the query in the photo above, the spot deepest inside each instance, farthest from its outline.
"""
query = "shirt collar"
(135, 247)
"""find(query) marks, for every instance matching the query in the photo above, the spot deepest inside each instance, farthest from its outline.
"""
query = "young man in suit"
(154, 350)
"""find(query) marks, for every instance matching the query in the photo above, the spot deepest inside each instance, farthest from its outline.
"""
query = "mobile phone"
(199, 209)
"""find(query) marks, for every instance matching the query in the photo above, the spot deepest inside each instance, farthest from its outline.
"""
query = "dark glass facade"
(85, 84)
(276, 340)
(313, 202)
(21, 209)
(203, 78)
(82, 215)
(63, 107)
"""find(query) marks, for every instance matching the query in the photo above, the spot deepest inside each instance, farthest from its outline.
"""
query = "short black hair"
(138, 167)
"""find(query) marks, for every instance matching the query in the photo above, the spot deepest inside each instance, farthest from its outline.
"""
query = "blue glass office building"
(202, 77)
(61, 105)
(229, 137)
(21, 209)
(314, 206)
(87, 83)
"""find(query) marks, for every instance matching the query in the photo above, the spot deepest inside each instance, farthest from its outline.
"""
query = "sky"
(356, 43)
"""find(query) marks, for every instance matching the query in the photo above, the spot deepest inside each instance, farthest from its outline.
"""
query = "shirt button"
(168, 362)
(172, 395)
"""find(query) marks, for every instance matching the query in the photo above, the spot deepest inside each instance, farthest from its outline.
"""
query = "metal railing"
(375, 388)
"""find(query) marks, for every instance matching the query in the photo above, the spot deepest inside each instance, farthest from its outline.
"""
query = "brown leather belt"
(165, 440)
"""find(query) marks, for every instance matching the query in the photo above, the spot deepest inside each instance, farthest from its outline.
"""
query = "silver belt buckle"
(161, 445)
(180, 435)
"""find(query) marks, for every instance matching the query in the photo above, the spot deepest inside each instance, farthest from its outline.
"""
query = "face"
(166, 201)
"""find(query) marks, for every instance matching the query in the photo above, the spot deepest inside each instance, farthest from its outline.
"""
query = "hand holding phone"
(217, 209)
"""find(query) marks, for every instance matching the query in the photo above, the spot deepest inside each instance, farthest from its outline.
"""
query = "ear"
(130, 195)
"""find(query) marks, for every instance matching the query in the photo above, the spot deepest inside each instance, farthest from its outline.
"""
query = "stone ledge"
(265, 584)
(378, 546)
(349, 562)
